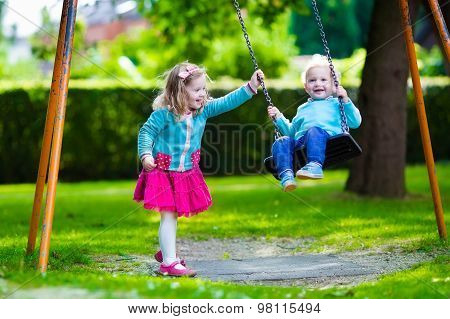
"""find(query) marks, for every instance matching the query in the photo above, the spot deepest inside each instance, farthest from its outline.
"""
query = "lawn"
(99, 218)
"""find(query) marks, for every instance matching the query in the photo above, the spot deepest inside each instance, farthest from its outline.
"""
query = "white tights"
(168, 238)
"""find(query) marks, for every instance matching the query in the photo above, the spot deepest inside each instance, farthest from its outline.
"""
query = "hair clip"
(189, 71)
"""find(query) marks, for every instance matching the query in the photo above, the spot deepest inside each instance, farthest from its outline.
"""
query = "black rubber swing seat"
(340, 148)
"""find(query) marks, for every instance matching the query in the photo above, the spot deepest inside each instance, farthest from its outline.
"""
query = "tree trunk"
(379, 171)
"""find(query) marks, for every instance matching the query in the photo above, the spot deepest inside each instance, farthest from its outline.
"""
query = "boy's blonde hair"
(174, 96)
(318, 60)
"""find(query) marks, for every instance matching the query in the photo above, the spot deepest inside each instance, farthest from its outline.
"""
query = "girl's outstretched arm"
(228, 102)
(236, 98)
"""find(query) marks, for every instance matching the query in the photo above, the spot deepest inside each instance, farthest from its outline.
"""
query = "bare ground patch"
(377, 260)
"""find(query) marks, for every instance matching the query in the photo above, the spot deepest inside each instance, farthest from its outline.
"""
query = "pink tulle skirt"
(185, 193)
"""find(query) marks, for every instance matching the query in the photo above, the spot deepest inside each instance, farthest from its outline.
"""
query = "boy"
(316, 121)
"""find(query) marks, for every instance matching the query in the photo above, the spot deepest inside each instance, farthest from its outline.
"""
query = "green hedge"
(102, 123)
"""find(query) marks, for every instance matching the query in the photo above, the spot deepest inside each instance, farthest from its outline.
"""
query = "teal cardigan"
(319, 113)
(175, 142)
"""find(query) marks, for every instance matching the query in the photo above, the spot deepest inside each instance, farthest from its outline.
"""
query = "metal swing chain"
(250, 49)
(252, 56)
(344, 124)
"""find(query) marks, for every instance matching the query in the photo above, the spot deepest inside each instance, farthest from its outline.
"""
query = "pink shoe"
(159, 258)
(170, 270)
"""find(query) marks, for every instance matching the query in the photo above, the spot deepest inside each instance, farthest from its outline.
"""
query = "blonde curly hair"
(174, 96)
(318, 60)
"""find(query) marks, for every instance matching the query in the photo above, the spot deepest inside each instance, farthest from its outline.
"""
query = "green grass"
(98, 218)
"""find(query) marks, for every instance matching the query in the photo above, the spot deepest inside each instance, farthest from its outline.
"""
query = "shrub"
(103, 120)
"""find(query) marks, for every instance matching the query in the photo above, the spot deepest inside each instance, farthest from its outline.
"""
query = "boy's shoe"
(170, 270)
(311, 170)
(159, 258)
(288, 182)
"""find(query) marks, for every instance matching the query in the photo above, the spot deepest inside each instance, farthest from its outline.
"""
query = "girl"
(171, 182)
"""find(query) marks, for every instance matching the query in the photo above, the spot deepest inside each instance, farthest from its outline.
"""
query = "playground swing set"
(341, 148)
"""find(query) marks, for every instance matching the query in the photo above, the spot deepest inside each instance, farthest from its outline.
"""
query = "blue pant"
(283, 149)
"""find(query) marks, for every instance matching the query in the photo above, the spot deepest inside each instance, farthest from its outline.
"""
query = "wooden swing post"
(47, 139)
(422, 116)
(441, 26)
(53, 134)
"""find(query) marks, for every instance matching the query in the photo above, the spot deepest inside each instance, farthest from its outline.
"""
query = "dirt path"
(229, 252)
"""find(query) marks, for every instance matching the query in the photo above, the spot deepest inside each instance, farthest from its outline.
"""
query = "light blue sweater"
(320, 113)
(178, 140)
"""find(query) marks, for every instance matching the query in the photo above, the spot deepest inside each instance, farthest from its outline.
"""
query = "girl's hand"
(341, 92)
(273, 112)
(255, 80)
(148, 163)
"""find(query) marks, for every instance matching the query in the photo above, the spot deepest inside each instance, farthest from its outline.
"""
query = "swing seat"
(340, 148)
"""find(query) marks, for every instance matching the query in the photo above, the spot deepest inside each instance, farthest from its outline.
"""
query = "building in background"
(107, 19)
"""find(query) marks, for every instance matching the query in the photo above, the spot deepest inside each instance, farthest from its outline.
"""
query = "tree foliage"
(273, 47)
(43, 42)
(206, 33)
(2, 13)
(193, 25)
(346, 24)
